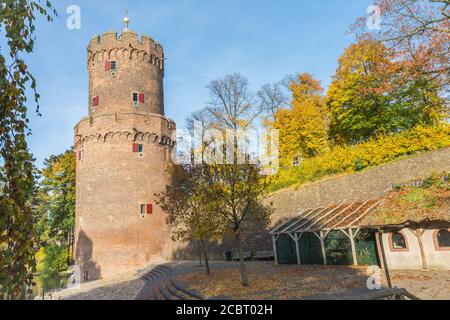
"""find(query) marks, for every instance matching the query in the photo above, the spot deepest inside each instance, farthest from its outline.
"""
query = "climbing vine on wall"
(17, 23)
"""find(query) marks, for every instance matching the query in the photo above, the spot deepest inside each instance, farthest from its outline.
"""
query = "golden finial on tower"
(126, 21)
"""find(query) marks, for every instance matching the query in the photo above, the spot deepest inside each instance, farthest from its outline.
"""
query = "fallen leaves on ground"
(276, 282)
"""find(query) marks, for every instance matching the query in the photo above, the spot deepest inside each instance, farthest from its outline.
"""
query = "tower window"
(146, 209)
(138, 98)
(138, 148)
(110, 65)
(95, 101)
(80, 155)
(297, 161)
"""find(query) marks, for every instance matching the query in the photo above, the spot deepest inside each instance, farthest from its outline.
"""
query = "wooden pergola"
(345, 217)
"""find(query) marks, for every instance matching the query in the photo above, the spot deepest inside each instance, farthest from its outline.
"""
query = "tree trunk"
(205, 253)
(244, 276)
(200, 255)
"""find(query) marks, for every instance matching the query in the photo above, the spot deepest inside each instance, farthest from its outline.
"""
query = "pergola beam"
(302, 217)
(321, 218)
(336, 224)
(321, 210)
(335, 216)
(365, 213)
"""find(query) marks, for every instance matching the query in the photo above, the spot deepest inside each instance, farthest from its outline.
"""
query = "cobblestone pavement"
(427, 285)
(125, 286)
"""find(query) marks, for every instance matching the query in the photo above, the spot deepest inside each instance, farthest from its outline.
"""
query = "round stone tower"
(123, 150)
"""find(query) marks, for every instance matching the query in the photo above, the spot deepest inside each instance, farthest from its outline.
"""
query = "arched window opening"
(443, 239)
(398, 241)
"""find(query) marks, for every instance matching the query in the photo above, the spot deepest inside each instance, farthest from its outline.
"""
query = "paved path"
(131, 285)
(154, 282)
(427, 285)
(125, 286)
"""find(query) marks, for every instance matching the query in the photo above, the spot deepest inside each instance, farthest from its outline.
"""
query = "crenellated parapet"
(126, 45)
(125, 74)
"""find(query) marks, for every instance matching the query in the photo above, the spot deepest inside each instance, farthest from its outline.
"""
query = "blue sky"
(203, 39)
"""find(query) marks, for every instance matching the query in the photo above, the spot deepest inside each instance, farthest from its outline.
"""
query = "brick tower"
(123, 150)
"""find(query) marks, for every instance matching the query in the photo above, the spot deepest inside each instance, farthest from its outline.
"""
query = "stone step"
(191, 295)
(179, 295)
(163, 286)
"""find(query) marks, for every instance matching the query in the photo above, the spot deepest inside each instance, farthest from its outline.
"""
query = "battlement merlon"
(130, 40)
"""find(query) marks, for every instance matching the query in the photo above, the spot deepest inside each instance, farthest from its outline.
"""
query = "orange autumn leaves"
(373, 93)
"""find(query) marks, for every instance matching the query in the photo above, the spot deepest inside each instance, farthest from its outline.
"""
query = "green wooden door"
(286, 250)
(310, 249)
(339, 249)
(366, 249)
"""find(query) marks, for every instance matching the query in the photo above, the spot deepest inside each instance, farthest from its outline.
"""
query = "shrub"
(54, 261)
(374, 152)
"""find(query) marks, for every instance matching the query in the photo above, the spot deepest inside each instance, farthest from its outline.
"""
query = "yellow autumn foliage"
(303, 127)
(374, 152)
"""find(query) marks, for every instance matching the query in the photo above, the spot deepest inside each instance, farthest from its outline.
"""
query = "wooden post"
(322, 244)
(380, 254)
(297, 248)
(274, 239)
(419, 233)
(352, 240)
(386, 269)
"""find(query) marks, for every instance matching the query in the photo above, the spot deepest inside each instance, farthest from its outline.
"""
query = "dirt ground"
(268, 281)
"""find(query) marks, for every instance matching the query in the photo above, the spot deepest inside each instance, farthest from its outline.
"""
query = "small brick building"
(123, 149)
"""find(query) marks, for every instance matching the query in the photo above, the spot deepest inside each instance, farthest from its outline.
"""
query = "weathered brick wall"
(140, 69)
(369, 184)
(112, 181)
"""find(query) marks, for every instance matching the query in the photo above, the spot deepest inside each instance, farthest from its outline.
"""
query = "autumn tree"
(17, 262)
(190, 206)
(238, 182)
(370, 95)
(274, 96)
(55, 203)
(197, 141)
(239, 190)
(418, 32)
(303, 127)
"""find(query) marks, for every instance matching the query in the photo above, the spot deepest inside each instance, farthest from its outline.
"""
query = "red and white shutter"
(135, 147)
(107, 65)
(96, 100)
(149, 209)
(141, 98)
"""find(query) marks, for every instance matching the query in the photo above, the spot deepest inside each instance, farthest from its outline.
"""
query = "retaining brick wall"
(369, 184)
